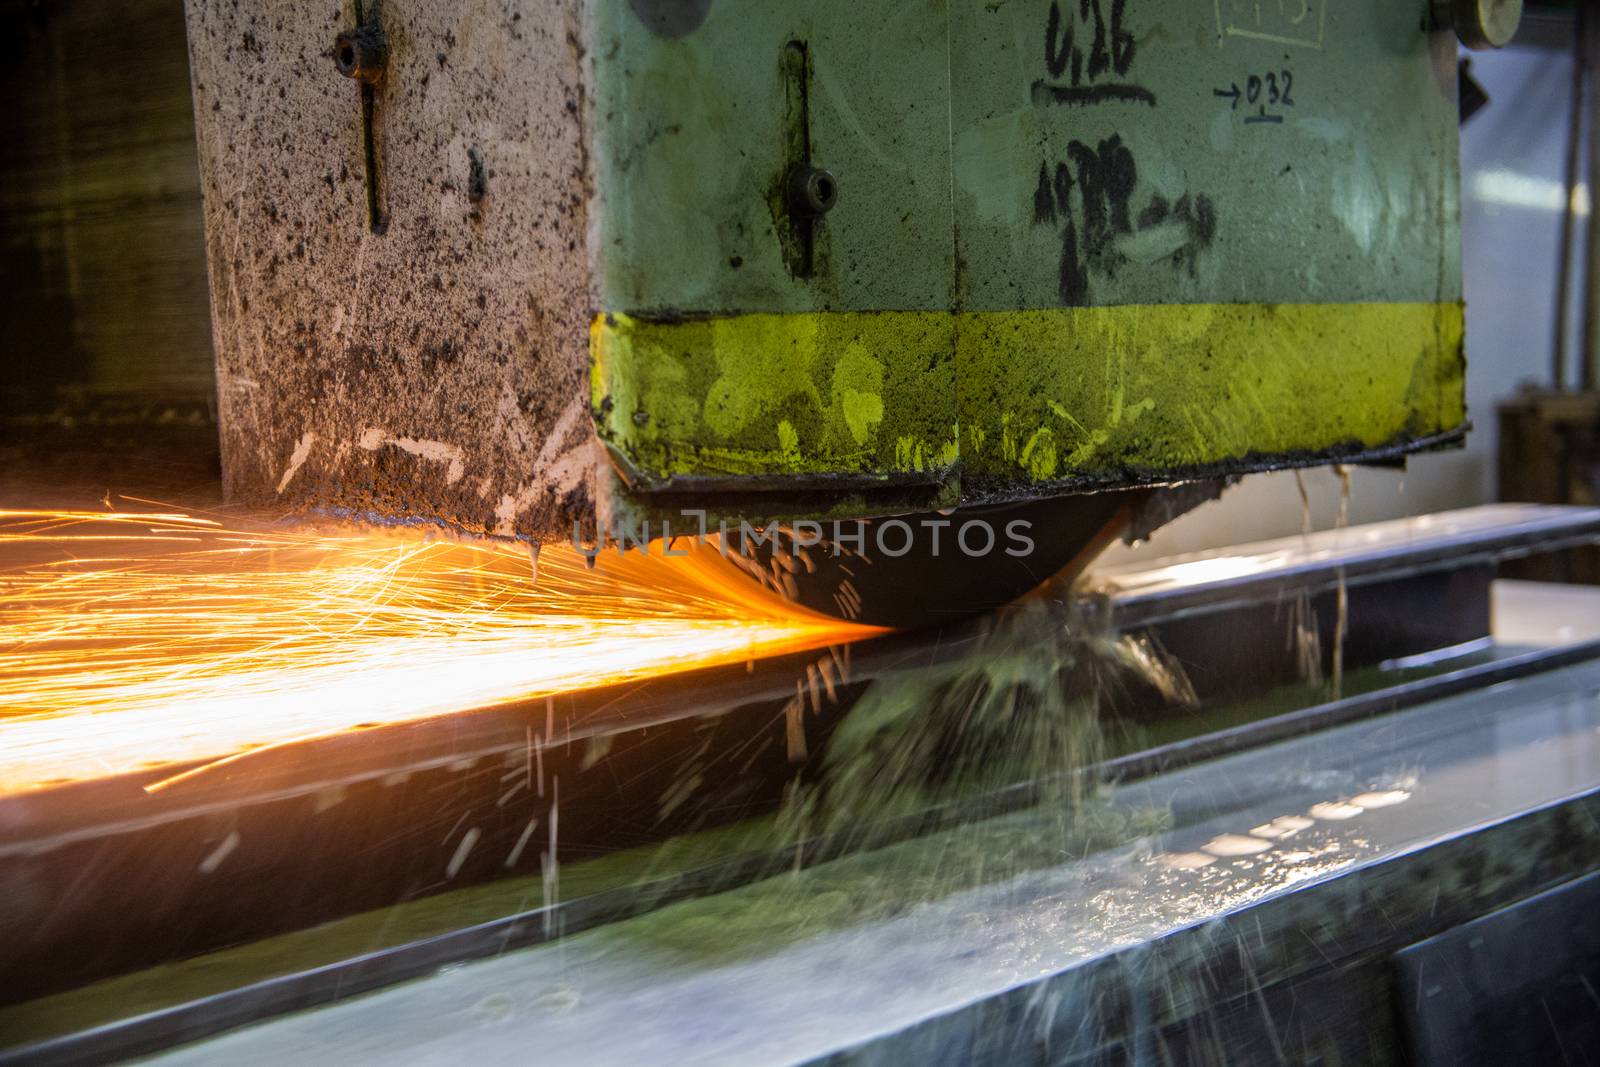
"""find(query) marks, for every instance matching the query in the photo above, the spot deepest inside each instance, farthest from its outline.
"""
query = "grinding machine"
(610, 272)
(877, 293)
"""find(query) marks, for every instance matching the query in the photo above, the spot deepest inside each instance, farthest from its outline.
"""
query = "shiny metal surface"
(1141, 592)
(1248, 829)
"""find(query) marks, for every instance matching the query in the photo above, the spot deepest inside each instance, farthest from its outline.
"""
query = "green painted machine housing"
(1076, 243)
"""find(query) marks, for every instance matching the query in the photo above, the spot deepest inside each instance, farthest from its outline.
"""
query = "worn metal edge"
(981, 490)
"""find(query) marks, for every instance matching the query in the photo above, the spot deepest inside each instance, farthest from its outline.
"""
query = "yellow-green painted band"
(827, 393)
(1097, 393)
(1084, 391)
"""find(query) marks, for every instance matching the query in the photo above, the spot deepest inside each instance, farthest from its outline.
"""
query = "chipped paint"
(451, 456)
(302, 450)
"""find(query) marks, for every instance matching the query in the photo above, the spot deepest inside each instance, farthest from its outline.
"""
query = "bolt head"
(813, 191)
(361, 54)
(1483, 24)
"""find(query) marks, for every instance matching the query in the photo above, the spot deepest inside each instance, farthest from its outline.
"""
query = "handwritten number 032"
(1274, 95)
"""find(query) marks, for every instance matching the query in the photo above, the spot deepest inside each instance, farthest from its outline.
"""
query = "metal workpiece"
(1135, 594)
(1345, 847)
(1397, 595)
(458, 760)
(647, 779)
(556, 265)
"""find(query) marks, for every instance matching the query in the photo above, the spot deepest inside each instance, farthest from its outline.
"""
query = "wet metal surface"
(1249, 828)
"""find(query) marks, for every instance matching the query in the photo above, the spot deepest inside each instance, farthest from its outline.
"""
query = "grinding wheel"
(926, 576)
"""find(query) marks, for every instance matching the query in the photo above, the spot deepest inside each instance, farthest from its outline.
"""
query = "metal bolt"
(812, 192)
(361, 54)
(1480, 24)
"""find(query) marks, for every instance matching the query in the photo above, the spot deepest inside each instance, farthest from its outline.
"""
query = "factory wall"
(103, 308)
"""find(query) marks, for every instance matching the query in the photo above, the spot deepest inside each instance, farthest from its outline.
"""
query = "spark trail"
(141, 639)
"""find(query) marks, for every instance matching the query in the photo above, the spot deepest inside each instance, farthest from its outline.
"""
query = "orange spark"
(131, 640)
